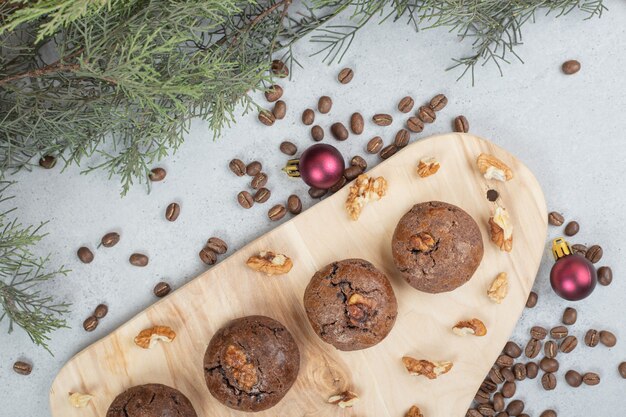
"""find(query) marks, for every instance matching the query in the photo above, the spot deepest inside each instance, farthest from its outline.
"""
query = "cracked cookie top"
(151, 400)
(437, 247)
(251, 363)
(350, 304)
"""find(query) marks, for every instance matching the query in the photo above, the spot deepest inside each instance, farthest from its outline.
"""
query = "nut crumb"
(148, 338)
(427, 167)
(270, 263)
(364, 190)
(345, 399)
(414, 411)
(474, 327)
(501, 229)
(499, 288)
(429, 369)
(492, 168)
(80, 400)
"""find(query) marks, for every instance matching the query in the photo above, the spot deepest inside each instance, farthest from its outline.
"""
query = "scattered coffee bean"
(538, 332)
(486, 410)
(101, 311)
(47, 162)
(532, 299)
(110, 239)
(426, 114)
(280, 110)
(172, 212)
(294, 205)
(414, 124)
(573, 378)
(208, 256)
(515, 408)
(237, 167)
(622, 369)
(245, 199)
(288, 148)
(572, 228)
(558, 332)
(345, 75)
(317, 133)
(262, 195)
(512, 349)
(22, 368)
(607, 338)
(488, 385)
(324, 104)
(217, 245)
(157, 174)
(356, 123)
(548, 381)
(492, 195)
(402, 138)
(507, 374)
(570, 67)
(277, 212)
(521, 415)
(550, 349)
(495, 376)
(308, 117)
(591, 378)
(138, 259)
(406, 104)
(266, 117)
(508, 389)
(548, 413)
(388, 151)
(352, 172)
(569, 316)
(549, 365)
(253, 168)
(161, 289)
(579, 249)
(504, 360)
(359, 161)
(382, 119)
(317, 192)
(438, 102)
(338, 185)
(374, 145)
(568, 344)
(90, 324)
(594, 254)
(461, 124)
(605, 275)
(279, 68)
(555, 219)
(273, 93)
(259, 180)
(592, 338)
(498, 401)
(85, 255)
(532, 369)
(339, 131)
(532, 348)
(519, 369)
(482, 397)
(473, 413)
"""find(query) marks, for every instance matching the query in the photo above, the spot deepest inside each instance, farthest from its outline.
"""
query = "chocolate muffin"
(151, 400)
(251, 363)
(437, 247)
(350, 304)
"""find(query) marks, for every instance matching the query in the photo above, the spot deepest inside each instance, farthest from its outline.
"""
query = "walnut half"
(243, 370)
(345, 399)
(492, 168)
(414, 411)
(148, 338)
(499, 288)
(474, 327)
(364, 190)
(80, 400)
(270, 262)
(501, 229)
(429, 369)
(427, 167)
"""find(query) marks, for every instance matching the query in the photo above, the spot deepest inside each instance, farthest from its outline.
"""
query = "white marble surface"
(568, 130)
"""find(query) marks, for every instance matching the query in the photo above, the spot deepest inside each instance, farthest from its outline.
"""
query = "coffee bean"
(508, 389)
(217, 245)
(22, 368)
(338, 185)
(382, 119)
(507, 374)
(570, 67)
(461, 124)
(486, 410)
(208, 256)
(110, 239)
(591, 378)
(498, 401)
(495, 376)
(594, 254)
(426, 114)
(579, 249)
(438, 102)
(356, 123)
(339, 131)
(605, 275)
(473, 413)
(161, 289)
(308, 117)
(288, 148)
(345, 75)
(573, 378)
(324, 104)
(262, 195)
(548, 381)
(592, 338)
(550, 349)
(515, 408)
(504, 360)
(101, 311)
(402, 138)
(359, 161)
(259, 180)
(519, 369)
(90, 324)
(253, 168)
(406, 104)
(482, 397)
(138, 259)
(414, 124)
(538, 332)
(273, 93)
(555, 219)
(157, 174)
(532, 348)
(172, 212)
(277, 212)
(317, 192)
(548, 413)
(607, 338)
(532, 299)
(317, 133)
(374, 145)
(568, 344)
(294, 205)
(569, 316)
(488, 386)
(280, 110)
(245, 199)
(352, 172)
(512, 349)
(47, 162)
(85, 255)
(572, 228)
(558, 332)
(237, 167)
(388, 151)
(266, 117)
(279, 68)
(549, 365)
(492, 195)
(532, 369)
(622, 369)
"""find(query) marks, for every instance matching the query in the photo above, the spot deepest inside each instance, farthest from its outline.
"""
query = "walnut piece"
(364, 190)
(499, 288)
(148, 338)
(429, 369)
(427, 167)
(270, 262)
(423, 242)
(80, 400)
(414, 411)
(474, 326)
(359, 309)
(501, 229)
(345, 399)
(243, 370)
(492, 168)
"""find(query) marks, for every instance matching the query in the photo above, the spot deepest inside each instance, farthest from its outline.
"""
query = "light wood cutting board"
(313, 239)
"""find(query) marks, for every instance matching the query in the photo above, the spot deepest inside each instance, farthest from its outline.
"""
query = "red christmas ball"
(321, 165)
(573, 277)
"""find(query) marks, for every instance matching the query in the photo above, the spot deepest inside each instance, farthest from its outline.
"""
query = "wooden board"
(313, 239)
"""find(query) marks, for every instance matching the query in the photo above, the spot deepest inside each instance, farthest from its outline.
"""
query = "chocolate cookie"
(251, 363)
(437, 247)
(151, 400)
(350, 304)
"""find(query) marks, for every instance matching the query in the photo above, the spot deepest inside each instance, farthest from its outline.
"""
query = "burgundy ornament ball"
(572, 276)
(321, 165)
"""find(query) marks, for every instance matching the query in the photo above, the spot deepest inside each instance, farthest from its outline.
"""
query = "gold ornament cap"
(560, 248)
(292, 168)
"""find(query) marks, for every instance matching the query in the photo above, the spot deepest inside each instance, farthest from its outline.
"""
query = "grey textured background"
(568, 130)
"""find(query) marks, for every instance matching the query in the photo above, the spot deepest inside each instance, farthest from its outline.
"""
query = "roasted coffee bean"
(607, 338)
(538, 332)
(217, 245)
(498, 401)
(345, 75)
(512, 349)
(532, 299)
(507, 374)
(579, 249)
(288, 148)
(486, 410)
(352, 172)
(356, 123)
(414, 124)
(338, 185)
(402, 138)
(162, 289)
(273, 93)
(47, 162)
(208, 256)
(515, 408)
(259, 180)
(374, 145)
(262, 195)
(280, 110)
(324, 104)
(549, 365)
(488, 385)
(157, 174)
(359, 161)
(594, 254)
(172, 212)
(622, 369)
(605, 275)
(277, 212)
(438, 102)
(521, 415)
(266, 117)
(569, 316)
(22, 368)
(508, 389)
(245, 199)
(339, 131)
(592, 338)
(570, 67)
(555, 219)
(317, 192)
(482, 397)
(461, 124)
(294, 205)
(548, 381)
(308, 117)
(550, 349)
(110, 239)
(382, 119)
(253, 168)
(101, 311)
(548, 413)
(572, 228)
(492, 195)
(279, 68)
(568, 344)
(317, 133)
(573, 378)
(85, 255)
(558, 332)
(504, 360)
(426, 114)
(388, 151)
(591, 378)
(532, 369)
(495, 375)
(237, 167)
(406, 104)
(532, 348)
(138, 259)
(90, 324)
(473, 413)
(519, 369)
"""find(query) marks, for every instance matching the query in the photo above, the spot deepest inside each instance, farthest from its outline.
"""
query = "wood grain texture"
(313, 239)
